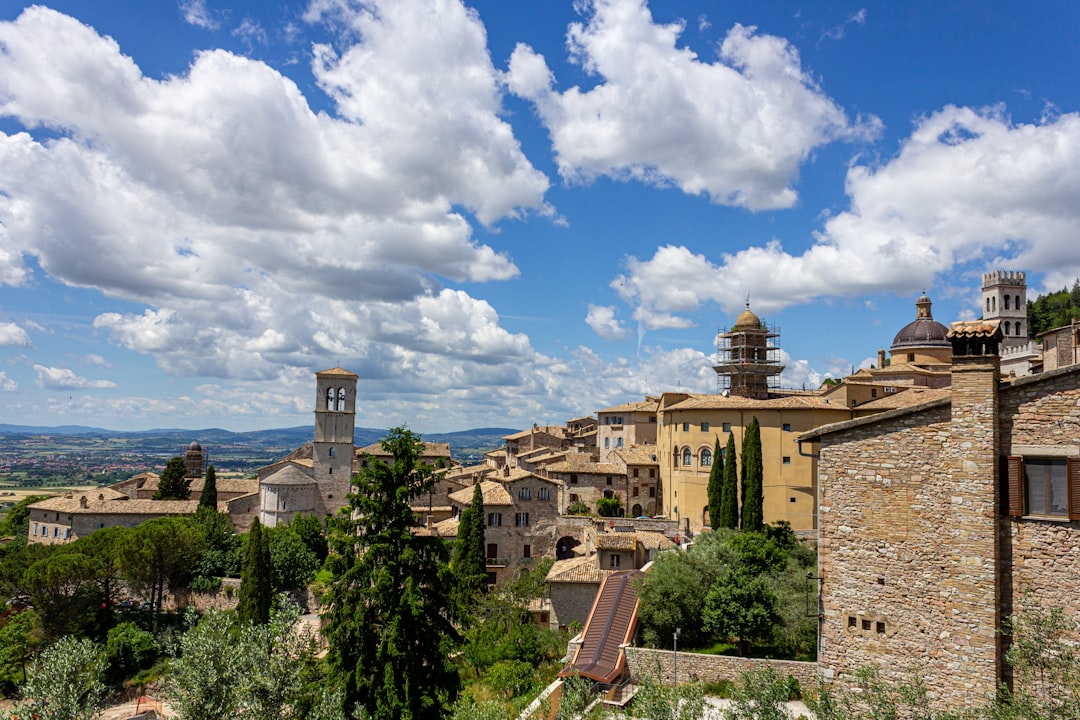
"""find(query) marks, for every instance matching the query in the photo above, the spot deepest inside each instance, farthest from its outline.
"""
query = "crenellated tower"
(1005, 298)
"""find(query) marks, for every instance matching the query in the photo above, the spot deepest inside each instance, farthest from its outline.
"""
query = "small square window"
(726, 427)
(704, 427)
(851, 621)
(791, 500)
(787, 460)
(787, 427)
(880, 627)
(866, 625)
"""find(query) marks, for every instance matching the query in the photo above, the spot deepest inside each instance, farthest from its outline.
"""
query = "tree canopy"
(752, 478)
(174, 483)
(715, 489)
(391, 621)
(208, 496)
(470, 562)
(257, 578)
(729, 496)
(1053, 310)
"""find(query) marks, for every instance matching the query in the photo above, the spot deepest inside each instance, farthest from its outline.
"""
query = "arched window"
(333, 452)
(341, 399)
(330, 394)
(987, 304)
(1007, 299)
(676, 456)
(1006, 327)
(687, 456)
(1017, 328)
(993, 304)
(706, 457)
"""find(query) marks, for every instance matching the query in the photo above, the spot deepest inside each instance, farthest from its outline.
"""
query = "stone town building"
(642, 470)
(66, 518)
(937, 519)
(632, 423)
(587, 480)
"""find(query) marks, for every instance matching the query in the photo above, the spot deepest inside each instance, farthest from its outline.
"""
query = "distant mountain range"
(462, 443)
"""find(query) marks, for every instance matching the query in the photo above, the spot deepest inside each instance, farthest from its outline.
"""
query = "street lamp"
(675, 656)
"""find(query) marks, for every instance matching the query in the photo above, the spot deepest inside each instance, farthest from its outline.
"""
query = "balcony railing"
(498, 561)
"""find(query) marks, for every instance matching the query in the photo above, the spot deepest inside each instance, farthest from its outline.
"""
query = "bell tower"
(335, 422)
(1005, 299)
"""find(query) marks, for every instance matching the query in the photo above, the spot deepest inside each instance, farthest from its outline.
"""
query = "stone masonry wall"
(1042, 416)
(659, 665)
(888, 591)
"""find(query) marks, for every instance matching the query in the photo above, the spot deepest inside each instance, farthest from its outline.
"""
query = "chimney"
(82, 501)
(971, 456)
(880, 358)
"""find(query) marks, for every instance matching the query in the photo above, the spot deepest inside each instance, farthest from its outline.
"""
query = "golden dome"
(747, 319)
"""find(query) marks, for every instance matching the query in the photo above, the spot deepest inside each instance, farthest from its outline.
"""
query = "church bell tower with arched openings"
(333, 449)
(1005, 299)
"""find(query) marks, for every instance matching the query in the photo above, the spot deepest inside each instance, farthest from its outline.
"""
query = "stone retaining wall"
(659, 665)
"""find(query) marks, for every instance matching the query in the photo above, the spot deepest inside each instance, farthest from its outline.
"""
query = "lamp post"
(675, 657)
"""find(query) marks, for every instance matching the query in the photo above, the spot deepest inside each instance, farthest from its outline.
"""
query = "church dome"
(747, 319)
(194, 445)
(922, 332)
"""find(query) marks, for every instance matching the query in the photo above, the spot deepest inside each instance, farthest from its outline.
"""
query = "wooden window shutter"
(1014, 473)
(1072, 466)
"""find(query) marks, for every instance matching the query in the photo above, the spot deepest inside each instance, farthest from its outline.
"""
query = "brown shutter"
(1014, 472)
(1072, 466)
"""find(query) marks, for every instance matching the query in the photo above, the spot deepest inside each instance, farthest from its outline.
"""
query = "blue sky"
(499, 213)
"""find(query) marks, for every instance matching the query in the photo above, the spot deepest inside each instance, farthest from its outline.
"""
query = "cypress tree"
(752, 477)
(729, 496)
(256, 579)
(716, 485)
(208, 497)
(470, 562)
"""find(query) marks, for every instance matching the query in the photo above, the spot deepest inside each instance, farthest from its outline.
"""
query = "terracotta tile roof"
(616, 541)
(973, 328)
(655, 540)
(637, 454)
(304, 452)
(289, 474)
(581, 463)
(459, 473)
(720, 402)
(430, 449)
(338, 371)
(119, 504)
(494, 494)
(906, 398)
(646, 405)
(577, 570)
(447, 528)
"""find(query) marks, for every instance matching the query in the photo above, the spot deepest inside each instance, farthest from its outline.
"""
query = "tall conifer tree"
(391, 623)
(173, 483)
(208, 497)
(470, 561)
(752, 478)
(256, 579)
(716, 486)
(729, 497)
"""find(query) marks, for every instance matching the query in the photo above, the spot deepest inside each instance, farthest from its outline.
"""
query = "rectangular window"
(1043, 486)
(35, 529)
(787, 460)
(525, 493)
(652, 472)
(614, 562)
(635, 492)
(787, 427)
(608, 481)
(686, 427)
(521, 519)
(494, 519)
(607, 442)
(573, 498)
(635, 472)
(543, 494)
(652, 492)
(526, 551)
(618, 442)
(573, 479)
(873, 392)
(704, 427)
(726, 427)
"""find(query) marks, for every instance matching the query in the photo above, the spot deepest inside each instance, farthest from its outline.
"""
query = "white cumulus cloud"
(12, 335)
(602, 320)
(7, 384)
(56, 378)
(656, 105)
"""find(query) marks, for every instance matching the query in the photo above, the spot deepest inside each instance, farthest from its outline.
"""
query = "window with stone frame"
(1043, 486)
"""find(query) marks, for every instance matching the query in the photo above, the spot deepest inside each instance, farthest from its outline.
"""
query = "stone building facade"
(935, 519)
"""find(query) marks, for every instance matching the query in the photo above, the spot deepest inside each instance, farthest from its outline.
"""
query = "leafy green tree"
(65, 682)
(64, 592)
(222, 547)
(159, 555)
(752, 478)
(729, 494)
(104, 546)
(715, 489)
(577, 508)
(174, 483)
(310, 530)
(208, 496)
(609, 507)
(760, 695)
(202, 682)
(20, 635)
(741, 608)
(470, 561)
(257, 578)
(391, 621)
(292, 562)
(129, 649)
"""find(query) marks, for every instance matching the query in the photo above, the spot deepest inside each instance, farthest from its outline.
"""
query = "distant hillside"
(1053, 310)
(275, 442)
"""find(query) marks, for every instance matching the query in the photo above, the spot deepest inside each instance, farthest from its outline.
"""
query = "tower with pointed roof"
(748, 361)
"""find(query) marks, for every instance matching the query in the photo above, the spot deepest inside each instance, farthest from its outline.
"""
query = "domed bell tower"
(335, 423)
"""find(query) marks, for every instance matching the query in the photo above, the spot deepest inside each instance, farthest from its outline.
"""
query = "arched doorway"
(565, 547)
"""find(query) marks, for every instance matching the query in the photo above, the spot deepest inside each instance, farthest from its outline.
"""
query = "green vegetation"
(208, 496)
(729, 494)
(715, 489)
(174, 483)
(752, 477)
(257, 578)
(1053, 310)
(392, 613)
(743, 590)
(470, 563)
(609, 507)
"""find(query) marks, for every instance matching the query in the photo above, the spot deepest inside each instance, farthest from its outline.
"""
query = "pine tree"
(256, 578)
(208, 497)
(716, 485)
(470, 562)
(729, 496)
(173, 483)
(752, 473)
(391, 622)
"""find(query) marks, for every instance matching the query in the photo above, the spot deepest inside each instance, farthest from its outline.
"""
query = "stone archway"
(565, 547)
